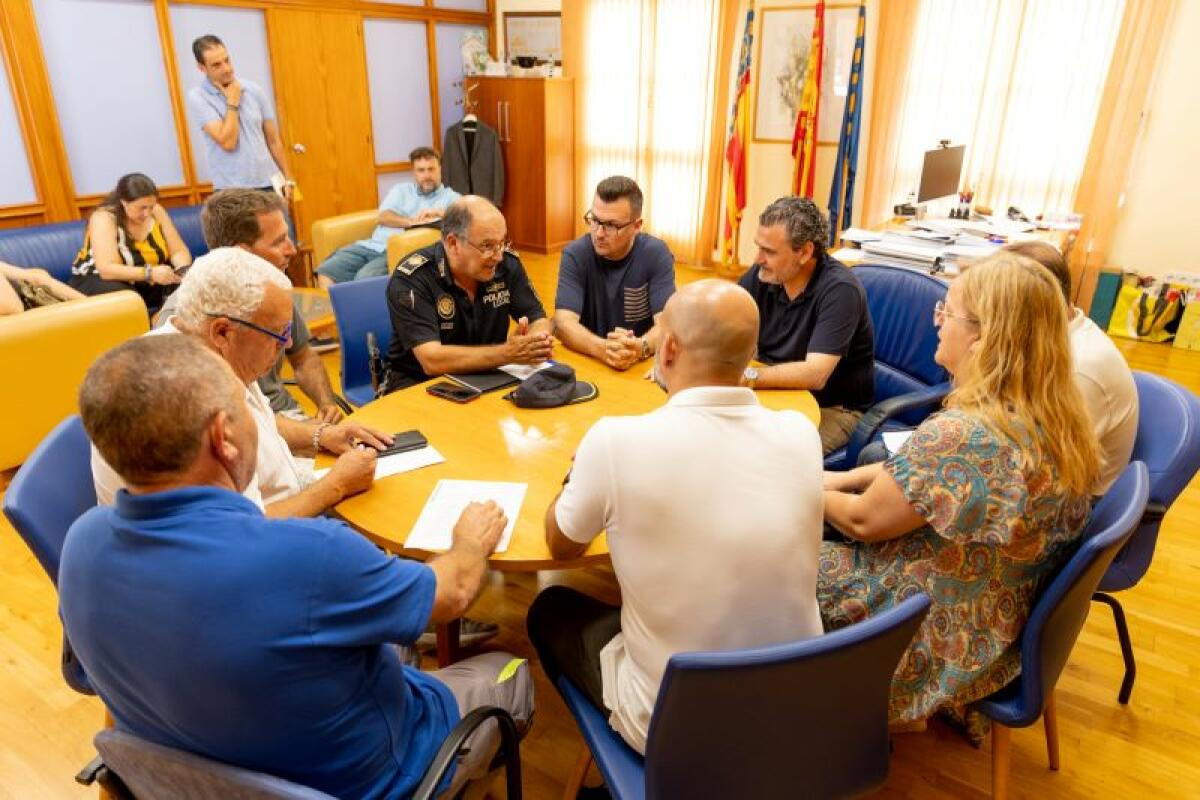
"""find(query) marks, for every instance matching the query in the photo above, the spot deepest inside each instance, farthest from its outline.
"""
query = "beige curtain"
(1118, 124)
(897, 23)
(647, 74)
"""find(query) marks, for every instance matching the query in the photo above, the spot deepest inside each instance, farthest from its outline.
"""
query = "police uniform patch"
(445, 307)
(411, 264)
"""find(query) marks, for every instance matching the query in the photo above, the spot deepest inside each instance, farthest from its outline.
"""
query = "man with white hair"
(240, 307)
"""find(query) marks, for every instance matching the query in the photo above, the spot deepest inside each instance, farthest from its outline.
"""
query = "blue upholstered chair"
(147, 770)
(136, 768)
(50, 491)
(807, 718)
(53, 247)
(1168, 441)
(909, 385)
(1056, 619)
(360, 309)
(187, 222)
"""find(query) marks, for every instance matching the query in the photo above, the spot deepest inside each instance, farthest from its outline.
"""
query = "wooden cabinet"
(534, 119)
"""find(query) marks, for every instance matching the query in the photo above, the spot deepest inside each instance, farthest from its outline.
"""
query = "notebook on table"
(488, 381)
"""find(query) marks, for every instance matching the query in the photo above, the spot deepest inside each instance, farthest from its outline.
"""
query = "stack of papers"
(928, 250)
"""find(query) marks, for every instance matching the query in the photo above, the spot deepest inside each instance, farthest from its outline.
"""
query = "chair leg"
(578, 773)
(1050, 722)
(1126, 644)
(1001, 738)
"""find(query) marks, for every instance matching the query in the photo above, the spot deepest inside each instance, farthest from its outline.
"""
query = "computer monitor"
(941, 173)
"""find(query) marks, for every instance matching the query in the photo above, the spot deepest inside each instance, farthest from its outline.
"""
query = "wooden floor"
(1150, 748)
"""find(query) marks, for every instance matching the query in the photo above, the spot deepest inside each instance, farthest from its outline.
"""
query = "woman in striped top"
(131, 243)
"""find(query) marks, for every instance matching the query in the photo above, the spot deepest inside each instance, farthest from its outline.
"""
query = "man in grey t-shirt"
(241, 136)
(254, 221)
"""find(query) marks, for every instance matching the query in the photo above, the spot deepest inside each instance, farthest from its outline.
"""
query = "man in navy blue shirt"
(815, 330)
(207, 627)
(613, 282)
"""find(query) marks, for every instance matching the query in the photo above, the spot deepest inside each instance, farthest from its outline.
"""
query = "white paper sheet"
(446, 503)
(523, 371)
(860, 235)
(848, 254)
(894, 440)
(400, 462)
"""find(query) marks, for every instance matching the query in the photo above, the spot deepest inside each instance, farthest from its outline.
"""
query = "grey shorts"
(473, 682)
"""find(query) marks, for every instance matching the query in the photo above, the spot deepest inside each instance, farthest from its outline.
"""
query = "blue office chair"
(909, 384)
(50, 491)
(1168, 441)
(365, 330)
(1056, 619)
(764, 721)
(134, 768)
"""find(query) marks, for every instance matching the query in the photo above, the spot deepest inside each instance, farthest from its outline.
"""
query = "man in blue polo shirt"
(815, 331)
(614, 282)
(241, 136)
(269, 644)
(421, 202)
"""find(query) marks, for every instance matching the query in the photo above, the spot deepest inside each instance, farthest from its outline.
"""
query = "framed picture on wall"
(784, 39)
(537, 34)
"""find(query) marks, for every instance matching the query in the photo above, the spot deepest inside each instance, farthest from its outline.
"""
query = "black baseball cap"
(552, 387)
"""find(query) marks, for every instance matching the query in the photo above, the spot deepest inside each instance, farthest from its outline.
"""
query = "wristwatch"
(646, 352)
(750, 376)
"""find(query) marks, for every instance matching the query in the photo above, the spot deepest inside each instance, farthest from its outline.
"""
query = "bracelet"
(148, 273)
(231, 107)
(316, 442)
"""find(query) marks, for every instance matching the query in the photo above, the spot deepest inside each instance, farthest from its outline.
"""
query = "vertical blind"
(1017, 82)
(647, 76)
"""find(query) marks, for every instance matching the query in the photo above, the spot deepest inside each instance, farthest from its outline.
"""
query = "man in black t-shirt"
(614, 281)
(451, 302)
(815, 331)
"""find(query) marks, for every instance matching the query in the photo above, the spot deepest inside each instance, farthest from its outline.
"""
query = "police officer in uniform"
(451, 303)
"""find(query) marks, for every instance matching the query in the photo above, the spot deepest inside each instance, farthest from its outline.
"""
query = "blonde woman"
(983, 501)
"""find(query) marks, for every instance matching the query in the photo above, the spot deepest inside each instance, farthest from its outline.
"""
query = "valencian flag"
(735, 150)
(804, 140)
(841, 195)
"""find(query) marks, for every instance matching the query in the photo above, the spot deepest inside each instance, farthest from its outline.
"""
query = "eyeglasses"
(283, 338)
(611, 228)
(940, 313)
(489, 249)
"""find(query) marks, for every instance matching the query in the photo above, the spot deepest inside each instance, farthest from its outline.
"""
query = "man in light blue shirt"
(241, 136)
(407, 205)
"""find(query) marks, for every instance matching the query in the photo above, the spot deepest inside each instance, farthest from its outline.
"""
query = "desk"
(491, 439)
(1062, 240)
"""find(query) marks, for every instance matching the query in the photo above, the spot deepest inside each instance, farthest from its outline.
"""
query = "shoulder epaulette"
(411, 264)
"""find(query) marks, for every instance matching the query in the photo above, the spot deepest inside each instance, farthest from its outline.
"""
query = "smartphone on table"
(404, 441)
(453, 391)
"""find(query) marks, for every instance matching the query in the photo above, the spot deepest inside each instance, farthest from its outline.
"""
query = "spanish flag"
(735, 149)
(804, 140)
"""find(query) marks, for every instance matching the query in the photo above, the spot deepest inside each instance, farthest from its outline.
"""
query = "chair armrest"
(342, 403)
(509, 746)
(885, 410)
(1154, 512)
(96, 771)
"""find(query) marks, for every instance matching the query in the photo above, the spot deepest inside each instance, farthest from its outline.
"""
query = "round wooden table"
(490, 439)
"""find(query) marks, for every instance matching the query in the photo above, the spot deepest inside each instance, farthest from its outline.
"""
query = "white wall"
(1156, 232)
(518, 5)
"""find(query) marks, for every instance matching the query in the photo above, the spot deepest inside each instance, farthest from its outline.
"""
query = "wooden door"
(525, 159)
(513, 107)
(319, 65)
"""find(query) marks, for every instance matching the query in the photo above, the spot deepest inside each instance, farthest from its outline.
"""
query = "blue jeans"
(353, 263)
